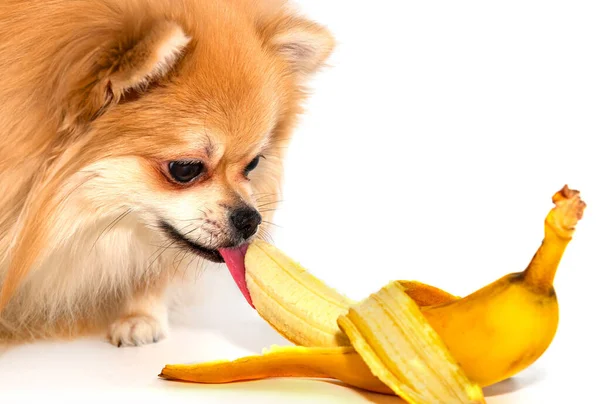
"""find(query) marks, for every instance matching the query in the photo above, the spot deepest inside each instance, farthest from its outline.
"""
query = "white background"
(430, 150)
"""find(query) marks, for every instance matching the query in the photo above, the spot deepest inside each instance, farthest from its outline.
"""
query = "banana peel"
(409, 339)
(340, 363)
(402, 350)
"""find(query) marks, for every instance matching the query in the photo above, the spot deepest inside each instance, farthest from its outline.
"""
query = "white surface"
(430, 150)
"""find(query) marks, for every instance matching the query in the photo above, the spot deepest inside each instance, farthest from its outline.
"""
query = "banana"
(308, 314)
(421, 342)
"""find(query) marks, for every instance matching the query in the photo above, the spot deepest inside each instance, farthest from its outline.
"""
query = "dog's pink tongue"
(234, 259)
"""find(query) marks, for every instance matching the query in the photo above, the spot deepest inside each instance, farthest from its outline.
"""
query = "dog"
(135, 134)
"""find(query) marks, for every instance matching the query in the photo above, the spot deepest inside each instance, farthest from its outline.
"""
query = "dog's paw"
(136, 331)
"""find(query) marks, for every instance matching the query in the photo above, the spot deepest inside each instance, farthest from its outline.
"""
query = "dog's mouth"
(207, 253)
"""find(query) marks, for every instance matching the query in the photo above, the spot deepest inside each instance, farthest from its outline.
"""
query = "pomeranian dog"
(130, 131)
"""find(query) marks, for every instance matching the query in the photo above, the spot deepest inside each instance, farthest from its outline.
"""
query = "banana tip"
(164, 374)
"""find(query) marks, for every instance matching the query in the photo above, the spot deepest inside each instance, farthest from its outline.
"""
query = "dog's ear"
(150, 58)
(303, 44)
(127, 60)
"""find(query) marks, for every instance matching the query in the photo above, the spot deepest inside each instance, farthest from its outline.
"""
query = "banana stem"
(542, 269)
(559, 228)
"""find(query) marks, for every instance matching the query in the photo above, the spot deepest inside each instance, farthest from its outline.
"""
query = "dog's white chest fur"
(94, 271)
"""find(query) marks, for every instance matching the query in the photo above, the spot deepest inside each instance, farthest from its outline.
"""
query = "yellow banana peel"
(341, 363)
(409, 339)
(426, 295)
(402, 350)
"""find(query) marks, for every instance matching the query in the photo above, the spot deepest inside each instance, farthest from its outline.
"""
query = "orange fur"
(97, 96)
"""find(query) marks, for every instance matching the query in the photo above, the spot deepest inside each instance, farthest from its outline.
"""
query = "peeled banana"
(409, 339)
(299, 306)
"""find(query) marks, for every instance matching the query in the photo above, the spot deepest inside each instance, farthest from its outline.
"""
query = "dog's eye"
(185, 171)
(252, 165)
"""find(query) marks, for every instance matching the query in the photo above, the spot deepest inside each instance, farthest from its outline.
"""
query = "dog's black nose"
(245, 220)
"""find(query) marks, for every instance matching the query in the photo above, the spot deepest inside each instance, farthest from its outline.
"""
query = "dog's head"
(188, 118)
